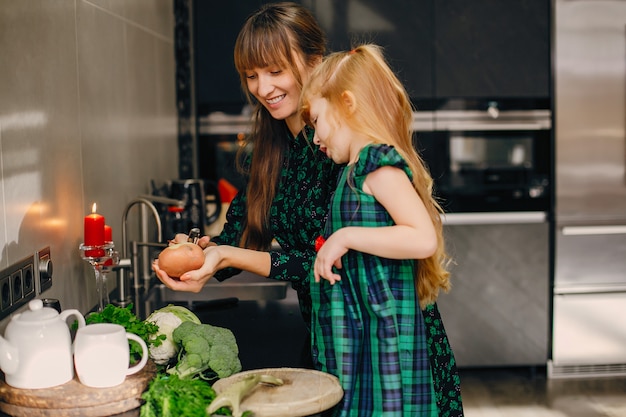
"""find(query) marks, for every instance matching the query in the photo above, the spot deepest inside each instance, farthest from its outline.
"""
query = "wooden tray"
(305, 392)
(74, 399)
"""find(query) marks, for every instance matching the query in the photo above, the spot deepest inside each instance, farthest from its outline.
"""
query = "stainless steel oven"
(490, 160)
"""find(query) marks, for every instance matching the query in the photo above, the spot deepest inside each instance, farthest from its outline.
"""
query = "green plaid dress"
(367, 329)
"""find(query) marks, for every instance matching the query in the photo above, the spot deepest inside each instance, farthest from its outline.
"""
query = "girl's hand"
(328, 256)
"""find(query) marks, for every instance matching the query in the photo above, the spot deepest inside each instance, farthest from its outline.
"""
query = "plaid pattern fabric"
(367, 329)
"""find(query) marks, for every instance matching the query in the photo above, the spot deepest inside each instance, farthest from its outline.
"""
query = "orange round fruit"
(179, 258)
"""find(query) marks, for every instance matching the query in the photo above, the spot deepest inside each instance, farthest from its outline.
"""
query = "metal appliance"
(490, 156)
(589, 297)
(198, 204)
(491, 163)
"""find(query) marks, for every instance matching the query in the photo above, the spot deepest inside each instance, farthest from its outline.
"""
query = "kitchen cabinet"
(493, 49)
(215, 29)
(440, 50)
(497, 312)
(345, 23)
(403, 27)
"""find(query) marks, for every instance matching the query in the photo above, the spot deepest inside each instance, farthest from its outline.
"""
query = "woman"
(289, 182)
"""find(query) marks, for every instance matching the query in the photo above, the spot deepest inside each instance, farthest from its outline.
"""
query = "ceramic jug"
(36, 351)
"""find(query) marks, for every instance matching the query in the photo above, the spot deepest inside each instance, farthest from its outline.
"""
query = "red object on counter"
(108, 237)
(94, 232)
(108, 233)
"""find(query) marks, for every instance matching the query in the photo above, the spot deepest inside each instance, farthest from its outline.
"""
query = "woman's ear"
(349, 100)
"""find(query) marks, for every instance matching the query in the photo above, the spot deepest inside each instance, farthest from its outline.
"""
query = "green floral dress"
(367, 329)
(297, 215)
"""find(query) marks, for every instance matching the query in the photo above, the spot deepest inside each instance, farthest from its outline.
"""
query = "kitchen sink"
(244, 287)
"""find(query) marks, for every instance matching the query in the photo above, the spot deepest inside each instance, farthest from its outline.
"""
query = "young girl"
(384, 252)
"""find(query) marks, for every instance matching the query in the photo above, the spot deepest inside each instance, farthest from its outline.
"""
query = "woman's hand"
(191, 281)
(176, 284)
(216, 257)
(203, 242)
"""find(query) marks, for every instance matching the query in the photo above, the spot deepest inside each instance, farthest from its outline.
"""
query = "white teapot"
(36, 351)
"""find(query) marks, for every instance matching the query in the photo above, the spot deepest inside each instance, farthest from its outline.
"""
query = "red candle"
(94, 232)
(108, 237)
(108, 233)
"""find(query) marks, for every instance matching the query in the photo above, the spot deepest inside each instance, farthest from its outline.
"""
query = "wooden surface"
(74, 399)
(304, 392)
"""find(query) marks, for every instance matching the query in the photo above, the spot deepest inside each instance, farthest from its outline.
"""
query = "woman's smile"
(275, 100)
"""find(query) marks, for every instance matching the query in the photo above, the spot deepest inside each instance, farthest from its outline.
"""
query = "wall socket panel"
(43, 266)
(25, 279)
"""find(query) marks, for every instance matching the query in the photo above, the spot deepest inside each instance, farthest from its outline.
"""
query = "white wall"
(87, 114)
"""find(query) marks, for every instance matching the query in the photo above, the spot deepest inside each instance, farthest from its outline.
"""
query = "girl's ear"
(349, 100)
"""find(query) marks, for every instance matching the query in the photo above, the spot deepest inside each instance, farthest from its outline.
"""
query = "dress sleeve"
(297, 217)
(289, 265)
(309, 182)
(376, 156)
(232, 231)
(293, 266)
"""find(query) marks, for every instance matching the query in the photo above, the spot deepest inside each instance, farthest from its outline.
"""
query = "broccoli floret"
(224, 361)
(205, 348)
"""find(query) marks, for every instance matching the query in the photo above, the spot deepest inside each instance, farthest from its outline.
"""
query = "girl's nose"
(316, 140)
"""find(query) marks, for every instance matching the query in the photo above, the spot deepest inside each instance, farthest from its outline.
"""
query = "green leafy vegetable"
(207, 351)
(170, 396)
(125, 317)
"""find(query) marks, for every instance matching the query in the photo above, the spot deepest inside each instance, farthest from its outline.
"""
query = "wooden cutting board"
(73, 399)
(304, 392)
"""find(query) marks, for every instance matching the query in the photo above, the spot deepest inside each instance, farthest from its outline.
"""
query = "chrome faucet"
(146, 203)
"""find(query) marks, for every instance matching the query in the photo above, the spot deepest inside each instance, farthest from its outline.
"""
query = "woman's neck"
(295, 124)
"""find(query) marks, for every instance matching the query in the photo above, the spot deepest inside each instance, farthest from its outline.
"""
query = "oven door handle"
(475, 126)
(593, 230)
(513, 217)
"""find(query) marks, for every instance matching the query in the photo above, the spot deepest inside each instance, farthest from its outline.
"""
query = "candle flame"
(93, 208)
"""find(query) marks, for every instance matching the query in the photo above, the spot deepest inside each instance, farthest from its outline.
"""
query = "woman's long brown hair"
(271, 36)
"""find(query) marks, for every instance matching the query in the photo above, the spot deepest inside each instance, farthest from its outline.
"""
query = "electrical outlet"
(16, 285)
(5, 294)
(28, 281)
(43, 270)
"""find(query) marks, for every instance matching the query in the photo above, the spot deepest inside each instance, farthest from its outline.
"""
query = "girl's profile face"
(332, 137)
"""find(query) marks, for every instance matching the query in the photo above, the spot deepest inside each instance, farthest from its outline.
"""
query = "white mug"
(101, 355)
